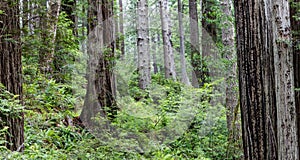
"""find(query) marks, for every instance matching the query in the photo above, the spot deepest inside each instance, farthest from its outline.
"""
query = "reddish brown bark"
(11, 70)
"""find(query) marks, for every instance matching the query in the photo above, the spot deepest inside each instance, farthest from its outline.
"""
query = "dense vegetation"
(145, 80)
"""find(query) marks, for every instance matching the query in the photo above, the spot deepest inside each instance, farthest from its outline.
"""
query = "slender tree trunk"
(143, 44)
(295, 23)
(121, 26)
(266, 79)
(116, 29)
(232, 113)
(184, 75)
(32, 18)
(83, 32)
(169, 64)
(11, 71)
(49, 36)
(154, 42)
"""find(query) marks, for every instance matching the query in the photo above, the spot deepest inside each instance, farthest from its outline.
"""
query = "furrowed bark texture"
(266, 79)
(100, 96)
(295, 23)
(284, 82)
(11, 71)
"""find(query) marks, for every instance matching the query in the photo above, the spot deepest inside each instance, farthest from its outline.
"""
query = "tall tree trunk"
(32, 18)
(284, 82)
(195, 43)
(108, 61)
(154, 42)
(116, 29)
(11, 71)
(121, 26)
(144, 67)
(83, 27)
(295, 23)
(49, 36)
(100, 97)
(184, 75)
(265, 77)
(232, 113)
(256, 80)
(169, 64)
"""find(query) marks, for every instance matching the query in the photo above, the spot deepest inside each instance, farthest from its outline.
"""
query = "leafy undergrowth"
(53, 129)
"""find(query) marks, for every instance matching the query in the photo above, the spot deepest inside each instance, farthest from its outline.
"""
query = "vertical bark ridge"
(295, 24)
(256, 80)
(11, 71)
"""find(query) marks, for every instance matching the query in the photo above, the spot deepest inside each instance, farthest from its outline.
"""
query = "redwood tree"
(11, 70)
(295, 23)
(266, 79)
(100, 96)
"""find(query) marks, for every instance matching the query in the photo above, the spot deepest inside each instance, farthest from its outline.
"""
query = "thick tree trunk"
(184, 75)
(284, 82)
(11, 70)
(144, 67)
(265, 77)
(232, 114)
(256, 78)
(295, 23)
(49, 27)
(169, 64)
(100, 96)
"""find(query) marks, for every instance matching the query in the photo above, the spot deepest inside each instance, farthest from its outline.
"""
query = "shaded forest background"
(147, 79)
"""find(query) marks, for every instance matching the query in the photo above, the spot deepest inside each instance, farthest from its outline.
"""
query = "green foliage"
(10, 106)
(134, 90)
(47, 95)
(67, 51)
(51, 101)
(48, 136)
(9, 103)
(205, 137)
(3, 141)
